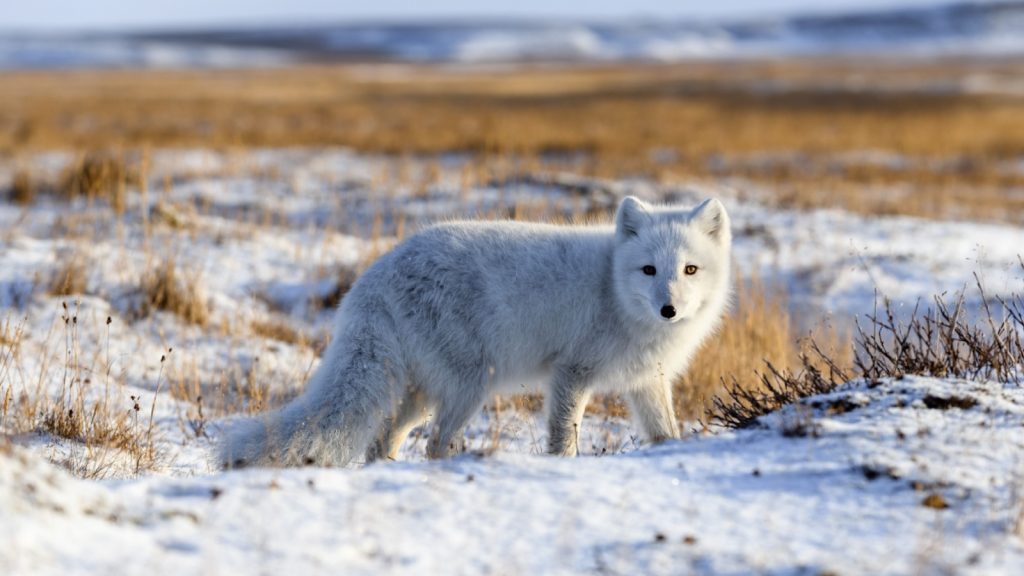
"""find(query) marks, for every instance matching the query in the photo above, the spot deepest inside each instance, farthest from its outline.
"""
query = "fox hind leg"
(452, 414)
(412, 410)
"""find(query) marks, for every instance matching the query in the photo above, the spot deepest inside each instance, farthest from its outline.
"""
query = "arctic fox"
(465, 310)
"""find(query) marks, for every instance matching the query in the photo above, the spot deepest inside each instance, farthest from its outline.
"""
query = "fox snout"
(668, 311)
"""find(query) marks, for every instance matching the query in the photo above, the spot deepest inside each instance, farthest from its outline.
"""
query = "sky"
(121, 14)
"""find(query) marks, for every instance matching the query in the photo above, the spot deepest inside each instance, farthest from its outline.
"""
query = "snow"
(833, 484)
(753, 500)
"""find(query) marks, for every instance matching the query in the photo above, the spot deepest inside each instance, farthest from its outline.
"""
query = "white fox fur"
(465, 310)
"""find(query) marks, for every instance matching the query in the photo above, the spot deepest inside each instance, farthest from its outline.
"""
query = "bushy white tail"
(330, 424)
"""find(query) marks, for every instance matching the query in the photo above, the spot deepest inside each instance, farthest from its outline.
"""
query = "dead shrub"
(942, 341)
(742, 403)
(939, 341)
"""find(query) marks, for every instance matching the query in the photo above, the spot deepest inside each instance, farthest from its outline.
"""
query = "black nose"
(668, 311)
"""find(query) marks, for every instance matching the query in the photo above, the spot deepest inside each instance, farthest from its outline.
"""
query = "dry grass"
(10, 340)
(93, 175)
(696, 109)
(70, 277)
(667, 122)
(23, 191)
(107, 433)
(164, 287)
(236, 388)
(99, 174)
(278, 329)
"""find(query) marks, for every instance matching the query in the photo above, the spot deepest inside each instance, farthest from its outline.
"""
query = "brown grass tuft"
(100, 175)
(10, 336)
(165, 288)
(102, 429)
(278, 329)
(71, 276)
(23, 191)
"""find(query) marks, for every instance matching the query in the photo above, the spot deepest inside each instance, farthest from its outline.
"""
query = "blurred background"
(118, 33)
(878, 107)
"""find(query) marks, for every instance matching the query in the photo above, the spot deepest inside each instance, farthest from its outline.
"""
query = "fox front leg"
(652, 411)
(566, 403)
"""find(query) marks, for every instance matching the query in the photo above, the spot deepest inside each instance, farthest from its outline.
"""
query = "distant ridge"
(957, 29)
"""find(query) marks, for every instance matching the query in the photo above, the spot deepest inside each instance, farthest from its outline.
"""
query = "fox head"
(671, 263)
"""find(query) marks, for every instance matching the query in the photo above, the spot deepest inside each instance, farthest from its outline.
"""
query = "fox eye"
(650, 270)
(690, 269)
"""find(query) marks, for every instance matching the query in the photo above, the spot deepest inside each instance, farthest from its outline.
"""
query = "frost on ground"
(908, 476)
(915, 475)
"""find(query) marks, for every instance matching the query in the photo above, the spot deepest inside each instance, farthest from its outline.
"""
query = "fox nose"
(668, 311)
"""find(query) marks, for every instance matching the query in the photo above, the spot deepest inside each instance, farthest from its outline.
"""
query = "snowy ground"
(266, 236)
(843, 495)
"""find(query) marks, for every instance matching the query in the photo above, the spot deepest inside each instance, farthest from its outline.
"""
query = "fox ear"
(710, 218)
(632, 216)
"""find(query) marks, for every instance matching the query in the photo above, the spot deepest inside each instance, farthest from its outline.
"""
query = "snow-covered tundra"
(912, 475)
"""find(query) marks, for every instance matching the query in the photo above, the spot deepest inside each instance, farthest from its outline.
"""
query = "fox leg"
(452, 415)
(567, 401)
(412, 411)
(652, 411)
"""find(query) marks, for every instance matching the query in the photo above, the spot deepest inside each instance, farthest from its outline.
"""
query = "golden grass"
(616, 112)
(23, 191)
(164, 287)
(278, 329)
(672, 122)
(100, 174)
(71, 276)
